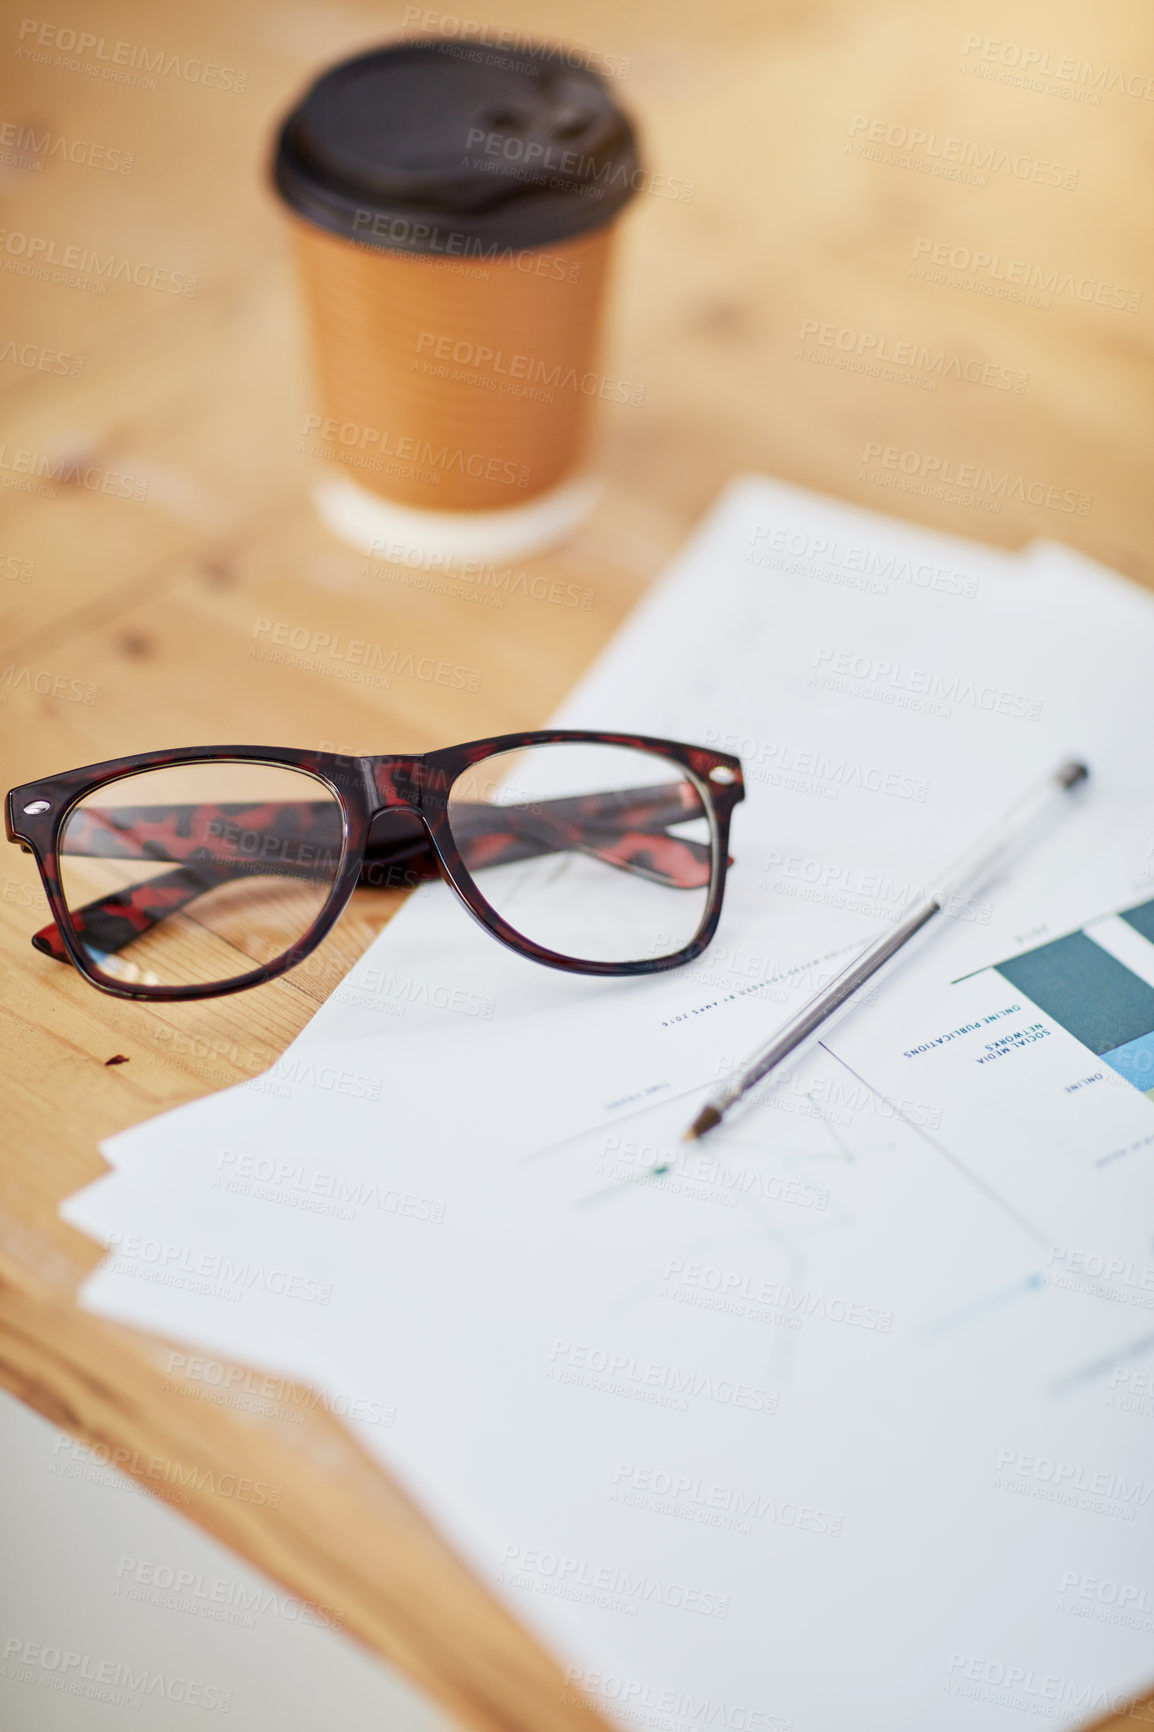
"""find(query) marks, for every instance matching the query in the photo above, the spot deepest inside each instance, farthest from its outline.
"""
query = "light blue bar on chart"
(1134, 1061)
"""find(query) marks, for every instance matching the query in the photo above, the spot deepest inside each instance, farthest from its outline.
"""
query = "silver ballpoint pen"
(969, 875)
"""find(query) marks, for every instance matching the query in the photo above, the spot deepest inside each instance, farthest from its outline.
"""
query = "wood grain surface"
(898, 253)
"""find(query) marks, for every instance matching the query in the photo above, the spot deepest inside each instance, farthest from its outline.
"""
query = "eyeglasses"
(188, 874)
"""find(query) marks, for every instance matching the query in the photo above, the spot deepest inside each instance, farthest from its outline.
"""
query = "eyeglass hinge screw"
(36, 806)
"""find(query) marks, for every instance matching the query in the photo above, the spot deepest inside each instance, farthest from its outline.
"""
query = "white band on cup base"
(369, 523)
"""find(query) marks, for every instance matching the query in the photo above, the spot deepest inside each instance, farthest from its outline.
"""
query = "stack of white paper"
(842, 1416)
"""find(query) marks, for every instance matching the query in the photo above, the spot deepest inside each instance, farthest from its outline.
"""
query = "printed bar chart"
(1099, 985)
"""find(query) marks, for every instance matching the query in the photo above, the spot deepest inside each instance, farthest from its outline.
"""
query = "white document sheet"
(842, 1416)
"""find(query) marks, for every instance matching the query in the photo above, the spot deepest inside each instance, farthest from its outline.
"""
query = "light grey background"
(67, 1525)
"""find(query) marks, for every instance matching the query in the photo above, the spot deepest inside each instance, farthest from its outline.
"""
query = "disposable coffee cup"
(453, 213)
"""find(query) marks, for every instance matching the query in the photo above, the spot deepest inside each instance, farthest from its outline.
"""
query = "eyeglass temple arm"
(626, 828)
(490, 834)
(112, 922)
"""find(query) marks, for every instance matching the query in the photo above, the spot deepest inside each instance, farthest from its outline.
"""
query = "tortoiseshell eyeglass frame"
(423, 846)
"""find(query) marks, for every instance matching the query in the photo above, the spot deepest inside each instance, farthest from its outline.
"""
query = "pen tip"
(1071, 774)
(705, 1121)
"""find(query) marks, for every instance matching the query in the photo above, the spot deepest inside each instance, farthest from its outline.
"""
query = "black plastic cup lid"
(439, 147)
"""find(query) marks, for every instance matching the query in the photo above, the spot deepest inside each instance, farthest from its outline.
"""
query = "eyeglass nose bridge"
(401, 784)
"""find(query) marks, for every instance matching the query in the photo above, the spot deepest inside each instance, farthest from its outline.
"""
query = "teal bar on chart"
(1097, 998)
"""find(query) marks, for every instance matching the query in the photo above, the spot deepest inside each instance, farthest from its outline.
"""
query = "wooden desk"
(786, 315)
